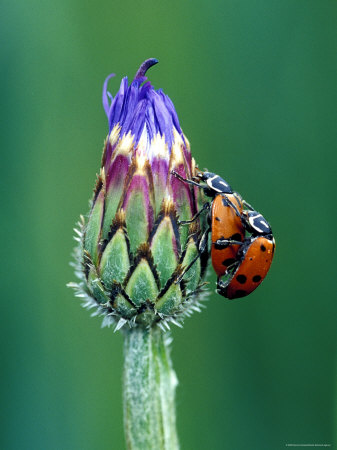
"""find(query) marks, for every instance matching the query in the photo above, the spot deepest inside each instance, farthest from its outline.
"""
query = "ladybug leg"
(247, 205)
(231, 204)
(221, 286)
(207, 191)
(185, 222)
(201, 249)
(185, 180)
(224, 243)
(245, 222)
(238, 198)
(230, 269)
(235, 208)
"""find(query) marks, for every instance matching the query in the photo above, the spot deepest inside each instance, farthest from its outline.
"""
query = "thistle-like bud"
(132, 250)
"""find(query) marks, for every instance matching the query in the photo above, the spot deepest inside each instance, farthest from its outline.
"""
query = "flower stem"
(149, 391)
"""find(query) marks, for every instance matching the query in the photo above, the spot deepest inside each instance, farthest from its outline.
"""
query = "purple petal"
(138, 119)
(138, 105)
(170, 107)
(145, 67)
(105, 94)
(117, 105)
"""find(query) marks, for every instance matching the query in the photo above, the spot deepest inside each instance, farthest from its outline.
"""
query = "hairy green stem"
(149, 391)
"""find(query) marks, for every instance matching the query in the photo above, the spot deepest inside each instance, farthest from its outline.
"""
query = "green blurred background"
(254, 84)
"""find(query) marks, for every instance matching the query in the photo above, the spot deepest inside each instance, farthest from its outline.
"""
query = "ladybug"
(245, 260)
(254, 258)
(225, 223)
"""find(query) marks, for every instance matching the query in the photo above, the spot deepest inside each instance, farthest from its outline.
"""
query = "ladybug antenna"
(145, 67)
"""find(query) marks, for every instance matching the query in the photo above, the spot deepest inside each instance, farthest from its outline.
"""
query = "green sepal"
(163, 248)
(170, 301)
(96, 287)
(93, 228)
(201, 200)
(136, 219)
(115, 262)
(124, 307)
(112, 200)
(192, 276)
(184, 212)
(117, 175)
(142, 285)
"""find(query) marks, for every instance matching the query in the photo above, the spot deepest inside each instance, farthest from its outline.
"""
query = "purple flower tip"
(145, 67)
(139, 107)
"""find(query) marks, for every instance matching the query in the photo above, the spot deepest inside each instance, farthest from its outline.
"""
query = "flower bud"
(132, 251)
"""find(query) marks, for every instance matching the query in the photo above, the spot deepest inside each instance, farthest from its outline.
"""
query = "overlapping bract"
(131, 247)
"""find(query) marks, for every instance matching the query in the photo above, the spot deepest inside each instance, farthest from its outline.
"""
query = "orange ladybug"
(253, 259)
(246, 261)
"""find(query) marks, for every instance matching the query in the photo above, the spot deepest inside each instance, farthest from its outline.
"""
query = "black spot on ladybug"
(240, 293)
(218, 219)
(263, 248)
(228, 261)
(241, 279)
(256, 278)
(250, 259)
(236, 237)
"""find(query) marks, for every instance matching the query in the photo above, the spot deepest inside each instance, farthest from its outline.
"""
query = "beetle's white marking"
(225, 184)
(251, 220)
(264, 223)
